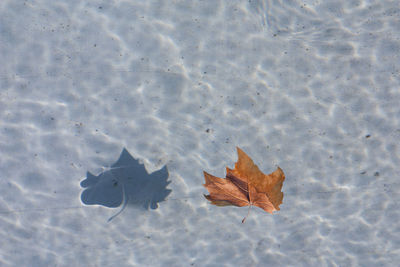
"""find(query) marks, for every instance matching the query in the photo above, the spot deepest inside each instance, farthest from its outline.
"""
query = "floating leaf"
(246, 185)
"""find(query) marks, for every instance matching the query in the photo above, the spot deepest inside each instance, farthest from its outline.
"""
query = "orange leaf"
(246, 185)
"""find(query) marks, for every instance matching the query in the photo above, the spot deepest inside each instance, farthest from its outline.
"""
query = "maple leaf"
(246, 185)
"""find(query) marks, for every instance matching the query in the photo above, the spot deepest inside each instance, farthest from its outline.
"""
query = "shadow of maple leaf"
(126, 181)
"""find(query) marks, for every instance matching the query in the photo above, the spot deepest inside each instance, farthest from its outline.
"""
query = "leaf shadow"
(126, 182)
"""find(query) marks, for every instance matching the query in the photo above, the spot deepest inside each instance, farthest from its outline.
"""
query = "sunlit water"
(310, 86)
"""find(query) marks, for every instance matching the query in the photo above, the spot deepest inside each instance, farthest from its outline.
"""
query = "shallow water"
(310, 86)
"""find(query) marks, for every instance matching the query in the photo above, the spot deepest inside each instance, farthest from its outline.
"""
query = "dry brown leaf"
(246, 185)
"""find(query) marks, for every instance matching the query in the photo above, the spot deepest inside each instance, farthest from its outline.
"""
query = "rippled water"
(310, 86)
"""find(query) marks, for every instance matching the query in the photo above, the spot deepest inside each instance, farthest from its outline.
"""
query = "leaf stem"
(248, 212)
